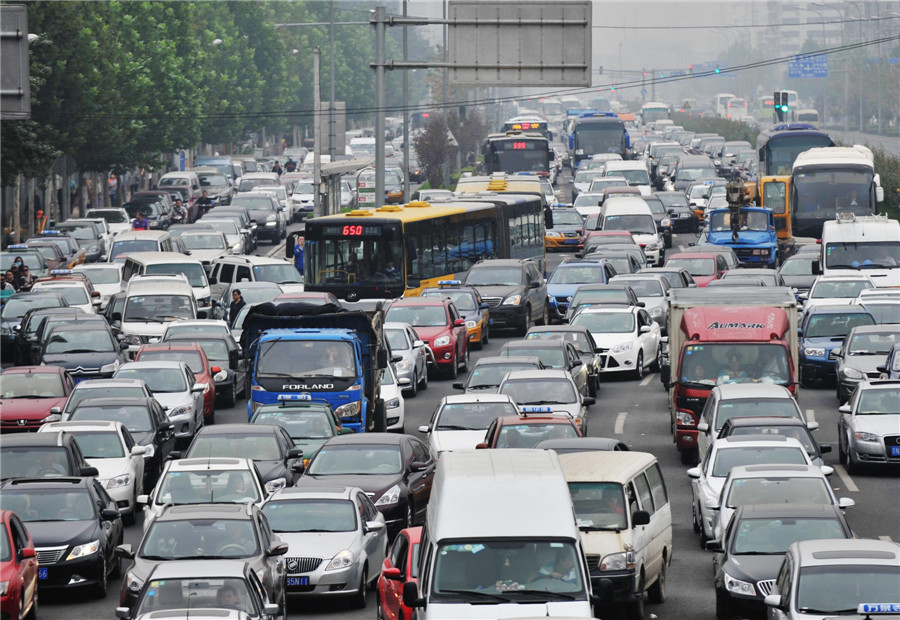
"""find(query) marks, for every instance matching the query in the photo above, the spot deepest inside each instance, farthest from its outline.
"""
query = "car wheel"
(32, 613)
(485, 336)
(526, 322)
(703, 537)
(723, 606)
(361, 597)
(656, 362)
(695, 519)
(545, 316)
(232, 395)
(639, 366)
(423, 382)
(413, 386)
(116, 571)
(804, 382)
(410, 515)
(102, 586)
(850, 465)
(379, 612)
(453, 371)
(657, 592)
(465, 366)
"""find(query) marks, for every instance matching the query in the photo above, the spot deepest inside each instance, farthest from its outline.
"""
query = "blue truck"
(317, 352)
(749, 230)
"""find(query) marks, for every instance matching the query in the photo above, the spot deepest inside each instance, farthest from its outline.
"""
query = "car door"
(458, 333)
(393, 594)
(165, 433)
(112, 529)
(419, 482)
(652, 547)
(273, 575)
(285, 445)
(135, 461)
(28, 567)
(420, 354)
(705, 439)
(374, 542)
(197, 397)
(577, 369)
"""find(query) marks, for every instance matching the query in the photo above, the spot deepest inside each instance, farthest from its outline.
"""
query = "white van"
(163, 263)
(151, 302)
(853, 242)
(128, 242)
(634, 171)
(631, 213)
(251, 180)
(625, 517)
(499, 530)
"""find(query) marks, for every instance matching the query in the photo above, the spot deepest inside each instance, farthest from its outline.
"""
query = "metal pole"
(379, 105)
(317, 126)
(405, 115)
(331, 135)
(446, 170)
(846, 88)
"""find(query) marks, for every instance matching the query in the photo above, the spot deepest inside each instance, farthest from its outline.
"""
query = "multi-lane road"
(631, 410)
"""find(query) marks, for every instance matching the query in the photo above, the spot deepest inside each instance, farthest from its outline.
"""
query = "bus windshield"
(352, 261)
(518, 155)
(599, 138)
(780, 152)
(822, 193)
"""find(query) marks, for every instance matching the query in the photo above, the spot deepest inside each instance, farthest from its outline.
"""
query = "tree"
(433, 150)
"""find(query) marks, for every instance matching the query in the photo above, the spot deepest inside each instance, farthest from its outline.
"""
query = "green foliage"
(888, 166)
(728, 129)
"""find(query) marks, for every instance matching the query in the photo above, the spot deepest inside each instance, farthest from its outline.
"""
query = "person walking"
(140, 222)
(298, 254)
(237, 302)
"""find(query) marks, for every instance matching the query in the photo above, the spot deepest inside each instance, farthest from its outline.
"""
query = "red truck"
(744, 336)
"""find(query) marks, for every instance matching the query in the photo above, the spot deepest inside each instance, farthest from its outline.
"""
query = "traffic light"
(778, 112)
(691, 69)
(784, 102)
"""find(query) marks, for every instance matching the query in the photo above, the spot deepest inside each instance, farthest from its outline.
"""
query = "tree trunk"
(17, 210)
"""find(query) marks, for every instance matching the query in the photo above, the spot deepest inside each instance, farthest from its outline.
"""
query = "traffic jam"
(620, 369)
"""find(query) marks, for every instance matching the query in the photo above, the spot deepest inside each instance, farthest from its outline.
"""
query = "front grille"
(492, 302)
(891, 441)
(49, 555)
(83, 371)
(593, 562)
(571, 235)
(765, 586)
(874, 375)
(301, 565)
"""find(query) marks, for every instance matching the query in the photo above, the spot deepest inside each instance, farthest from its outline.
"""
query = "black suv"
(515, 291)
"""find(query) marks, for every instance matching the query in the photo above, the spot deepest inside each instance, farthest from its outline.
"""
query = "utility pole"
(405, 114)
(331, 145)
(379, 105)
(317, 145)
(446, 171)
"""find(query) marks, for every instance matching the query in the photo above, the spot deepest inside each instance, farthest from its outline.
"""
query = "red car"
(528, 430)
(440, 325)
(193, 355)
(401, 566)
(28, 393)
(18, 569)
(704, 267)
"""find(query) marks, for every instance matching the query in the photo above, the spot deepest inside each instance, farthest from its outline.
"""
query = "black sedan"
(267, 445)
(396, 471)
(75, 527)
(87, 351)
(683, 217)
(145, 420)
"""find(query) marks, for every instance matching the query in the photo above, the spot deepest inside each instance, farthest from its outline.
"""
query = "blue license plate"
(297, 581)
(42, 573)
(571, 241)
(895, 450)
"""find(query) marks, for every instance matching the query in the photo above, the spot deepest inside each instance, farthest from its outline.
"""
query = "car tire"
(379, 612)
(465, 365)
(545, 316)
(102, 586)
(852, 467)
(654, 367)
(410, 515)
(695, 520)
(639, 366)
(634, 610)
(379, 424)
(656, 594)
(360, 599)
(423, 382)
(232, 397)
(526, 322)
(485, 335)
(453, 370)
(413, 387)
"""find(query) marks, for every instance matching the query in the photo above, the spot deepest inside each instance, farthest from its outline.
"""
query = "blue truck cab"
(317, 352)
(753, 239)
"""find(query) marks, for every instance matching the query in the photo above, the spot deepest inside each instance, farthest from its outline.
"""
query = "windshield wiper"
(828, 612)
(601, 528)
(547, 402)
(155, 557)
(82, 351)
(454, 427)
(481, 387)
(547, 593)
(496, 597)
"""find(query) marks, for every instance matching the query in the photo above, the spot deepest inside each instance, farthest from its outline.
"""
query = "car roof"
(619, 308)
(153, 364)
(455, 399)
(693, 255)
(598, 465)
(315, 491)
(508, 359)
(731, 391)
(585, 444)
(239, 428)
(115, 401)
(105, 383)
(786, 511)
(875, 329)
(851, 551)
(754, 441)
(17, 440)
(531, 344)
(544, 329)
(543, 373)
(842, 309)
(762, 420)
(63, 482)
(97, 425)
(420, 301)
(499, 262)
(884, 384)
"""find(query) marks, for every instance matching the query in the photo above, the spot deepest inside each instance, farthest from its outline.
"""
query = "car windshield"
(727, 458)
(33, 462)
(74, 295)
(751, 407)
(582, 342)
(204, 242)
(131, 246)
(191, 358)
(633, 177)
(599, 505)
(495, 276)
(397, 339)
(644, 288)
(711, 364)
(471, 416)
(31, 385)
(196, 592)
(299, 424)
(293, 359)
(216, 350)
(886, 312)
(357, 459)
(606, 322)
(835, 325)
(777, 490)
(881, 401)
(249, 446)
(540, 391)
(774, 536)
(491, 375)
(82, 232)
(194, 272)
(586, 176)
(577, 274)
(112, 216)
(224, 226)
(195, 537)
(157, 308)
(212, 180)
(82, 341)
(567, 218)
(261, 203)
(694, 266)
(100, 444)
(291, 516)
(277, 273)
(838, 289)
(209, 485)
(418, 315)
(550, 356)
(135, 418)
(877, 343)
(33, 505)
(720, 221)
(868, 255)
(839, 589)
(166, 380)
(463, 300)
(102, 275)
(635, 224)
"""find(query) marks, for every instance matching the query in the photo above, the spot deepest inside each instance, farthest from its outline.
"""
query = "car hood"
(827, 342)
(59, 533)
(878, 424)
(288, 287)
(323, 545)
(498, 291)
(109, 468)
(28, 408)
(309, 446)
(270, 470)
(799, 282)
(608, 341)
(456, 440)
(754, 568)
(370, 483)
(864, 363)
(703, 280)
(430, 333)
(73, 361)
(210, 255)
(501, 611)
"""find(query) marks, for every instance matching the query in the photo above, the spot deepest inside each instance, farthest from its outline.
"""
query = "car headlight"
(390, 497)
(684, 418)
(236, 247)
(622, 347)
(550, 233)
(5, 331)
(737, 586)
(814, 352)
(665, 222)
(133, 583)
(271, 218)
(82, 551)
(349, 410)
(110, 367)
(149, 451)
(656, 311)
(53, 417)
(132, 340)
(392, 403)
(471, 324)
(618, 561)
(118, 482)
(443, 341)
(92, 249)
(269, 224)
(275, 485)
(652, 246)
(203, 302)
(220, 376)
(867, 436)
(852, 373)
(177, 411)
(344, 559)
(401, 365)
(512, 300)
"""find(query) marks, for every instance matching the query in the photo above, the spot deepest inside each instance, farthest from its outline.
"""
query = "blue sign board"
(808, 65)
(182, 157)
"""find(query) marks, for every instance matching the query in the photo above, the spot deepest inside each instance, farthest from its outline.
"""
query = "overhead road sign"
(808, 66)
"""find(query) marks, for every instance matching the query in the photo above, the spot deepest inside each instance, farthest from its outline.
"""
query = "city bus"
(654, 111)
(598, 132)
(765, 109)
(393, 251)
(531, 124)
(721, 103)
(779, 145)
(516, 151)
(736, 108)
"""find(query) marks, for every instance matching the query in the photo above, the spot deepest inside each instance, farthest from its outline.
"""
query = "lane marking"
(848, 481)
(810, 416)
(681, 248)
(886, 538)
(620, 423)
(647, 380)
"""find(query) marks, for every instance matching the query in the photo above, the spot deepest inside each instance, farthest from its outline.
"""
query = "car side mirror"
(198, 387)
(123, 612)
(419, 465)
(27, 552)
(576, 363)
(396, 358)
(298, 466)
(703, 427)
(459, 386)
(213, 280)
(773, 600)
(138, 450)
(813, 426)
(534, 284)
(846, 502)
(587, 401)
(271, 609)
(640, 517)
(835, 353)
(714, 545)
(482, 306)
(418, 344)
(645, 329)
(345, 430)
(393, 574)
(373, 526)
(665, 374)
(693, 472)
(424, 428)
(481, 446)
(411, 595)
(403, 382)
(125, 552)
(89, 471)
(56, 410)
(109, 514)
(278, 549)
(459, 323)
(294, 453)
(882, 368)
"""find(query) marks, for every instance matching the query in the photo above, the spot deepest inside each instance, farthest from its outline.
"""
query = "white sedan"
(392, 394)
(110, 448)
(627, 337)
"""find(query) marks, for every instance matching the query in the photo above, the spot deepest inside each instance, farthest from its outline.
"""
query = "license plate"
(895, 450)
(571, 241)
(42, 573)
(297, 581)
(79, 379)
